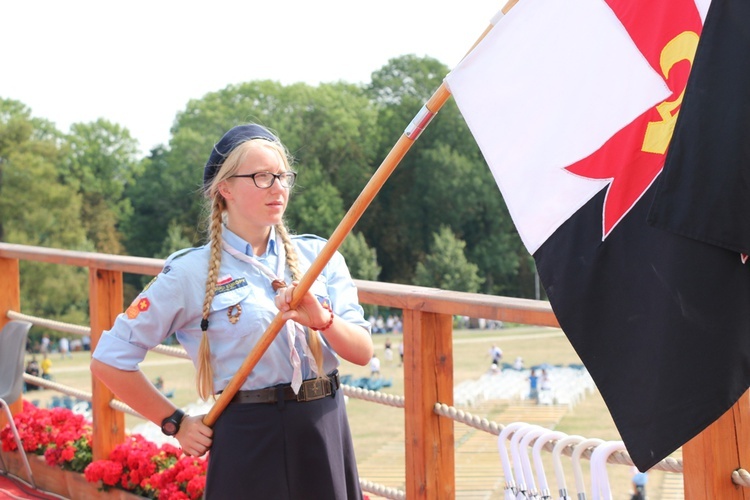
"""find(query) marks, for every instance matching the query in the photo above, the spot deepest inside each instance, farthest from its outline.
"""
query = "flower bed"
(137, 466)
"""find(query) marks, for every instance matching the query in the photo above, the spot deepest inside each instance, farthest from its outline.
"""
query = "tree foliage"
(361, 259)
(40, 206)
(101, 162)
(446, 266)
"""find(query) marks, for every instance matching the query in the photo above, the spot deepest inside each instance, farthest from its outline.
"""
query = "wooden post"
(710, 458)
(105, 298)
(10, 300)
(428, 378)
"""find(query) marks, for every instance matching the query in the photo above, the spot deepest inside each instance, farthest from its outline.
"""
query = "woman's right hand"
(194, 436)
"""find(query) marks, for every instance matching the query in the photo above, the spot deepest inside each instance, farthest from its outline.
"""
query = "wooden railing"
(428, 371)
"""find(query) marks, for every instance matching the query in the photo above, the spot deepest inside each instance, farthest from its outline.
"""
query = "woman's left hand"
(309, 311)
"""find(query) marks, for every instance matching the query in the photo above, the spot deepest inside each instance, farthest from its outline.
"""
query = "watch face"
(169, 428)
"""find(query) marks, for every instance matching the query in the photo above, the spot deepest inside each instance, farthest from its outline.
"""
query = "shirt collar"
(243, 246)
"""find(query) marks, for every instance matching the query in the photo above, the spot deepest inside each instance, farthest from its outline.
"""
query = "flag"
(573, 105)
(704, 192)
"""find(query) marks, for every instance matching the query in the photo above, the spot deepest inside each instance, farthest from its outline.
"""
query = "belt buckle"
(310, 390)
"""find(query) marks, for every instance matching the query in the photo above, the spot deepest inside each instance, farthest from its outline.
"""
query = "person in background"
(496, 354)
(533, 386)
(32, 368)
(388, 350)
(285, 434)
(639, 484)
(64, 344)
(46, 366)
(374, 366)
(45, 344)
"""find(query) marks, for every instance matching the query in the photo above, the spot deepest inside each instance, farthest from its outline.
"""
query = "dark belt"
(310, 390)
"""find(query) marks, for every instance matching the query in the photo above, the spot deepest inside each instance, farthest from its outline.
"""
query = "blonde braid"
(292, 260)
(205, 373)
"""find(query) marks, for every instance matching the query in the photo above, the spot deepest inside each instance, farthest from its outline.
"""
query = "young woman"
(285, 435)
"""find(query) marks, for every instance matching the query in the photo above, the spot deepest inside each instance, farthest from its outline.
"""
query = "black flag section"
(704, 190)
(662, 323)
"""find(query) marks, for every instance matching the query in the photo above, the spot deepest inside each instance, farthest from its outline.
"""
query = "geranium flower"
(137, 465)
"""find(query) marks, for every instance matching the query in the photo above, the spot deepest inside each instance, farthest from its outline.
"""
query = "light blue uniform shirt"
(173, 302)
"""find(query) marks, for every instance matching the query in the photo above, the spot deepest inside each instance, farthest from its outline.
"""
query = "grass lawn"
(377, 427)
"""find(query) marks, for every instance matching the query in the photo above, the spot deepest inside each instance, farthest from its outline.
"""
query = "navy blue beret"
(226, 145)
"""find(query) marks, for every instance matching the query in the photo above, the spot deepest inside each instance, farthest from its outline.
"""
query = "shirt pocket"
(229, 298)
(234, 313)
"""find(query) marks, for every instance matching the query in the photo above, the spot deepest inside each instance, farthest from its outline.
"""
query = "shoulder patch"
(139, 305)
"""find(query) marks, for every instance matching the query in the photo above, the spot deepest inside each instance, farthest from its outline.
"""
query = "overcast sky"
(137, 63)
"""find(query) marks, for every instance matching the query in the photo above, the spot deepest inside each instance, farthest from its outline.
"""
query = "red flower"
(137, 465)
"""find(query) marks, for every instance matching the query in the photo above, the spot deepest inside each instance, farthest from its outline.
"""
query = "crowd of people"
(63, 346)
(391, 324)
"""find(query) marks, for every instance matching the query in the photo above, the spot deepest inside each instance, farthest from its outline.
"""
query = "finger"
(287, 294)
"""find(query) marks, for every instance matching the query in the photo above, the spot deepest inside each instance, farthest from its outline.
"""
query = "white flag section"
(547, 87)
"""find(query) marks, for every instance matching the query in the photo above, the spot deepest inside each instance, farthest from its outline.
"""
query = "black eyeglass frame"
(289, 177)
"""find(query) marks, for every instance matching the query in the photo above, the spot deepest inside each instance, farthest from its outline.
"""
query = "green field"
(378, 430)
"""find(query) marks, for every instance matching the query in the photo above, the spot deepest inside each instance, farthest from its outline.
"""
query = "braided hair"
(216, 217)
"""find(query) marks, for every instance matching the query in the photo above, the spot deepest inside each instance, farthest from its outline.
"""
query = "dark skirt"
(283, 451)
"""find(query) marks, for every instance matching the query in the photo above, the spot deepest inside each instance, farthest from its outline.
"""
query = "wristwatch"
(171, 425)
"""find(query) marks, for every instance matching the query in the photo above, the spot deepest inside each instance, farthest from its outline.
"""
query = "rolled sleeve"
(118, 353)
(158, 311)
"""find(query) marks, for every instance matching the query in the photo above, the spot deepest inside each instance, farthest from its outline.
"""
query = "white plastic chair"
(12, 349)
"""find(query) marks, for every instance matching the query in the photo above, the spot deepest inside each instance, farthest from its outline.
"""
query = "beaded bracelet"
(325, 327)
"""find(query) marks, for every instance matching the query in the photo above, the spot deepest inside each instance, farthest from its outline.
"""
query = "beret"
(228, 143)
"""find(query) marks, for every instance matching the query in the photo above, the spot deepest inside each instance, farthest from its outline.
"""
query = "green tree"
(174, 240)
(446, 266)
(361, 259)
(163, 196)
(315, 205)
(38, 207)
(102, 162)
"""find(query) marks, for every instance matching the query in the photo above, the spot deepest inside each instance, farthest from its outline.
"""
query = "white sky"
(137, 63)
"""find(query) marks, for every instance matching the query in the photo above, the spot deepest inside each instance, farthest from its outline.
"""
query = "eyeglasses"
(264, 180)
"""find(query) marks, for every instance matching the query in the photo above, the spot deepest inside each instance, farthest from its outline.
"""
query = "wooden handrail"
(399, 296)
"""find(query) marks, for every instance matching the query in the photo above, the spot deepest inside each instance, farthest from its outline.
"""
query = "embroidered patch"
(232, 285)
(166, 269)
(224, 279)
(324, 301)
(137, 307)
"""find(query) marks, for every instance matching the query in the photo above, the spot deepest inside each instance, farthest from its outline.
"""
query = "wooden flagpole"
(389, 164)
